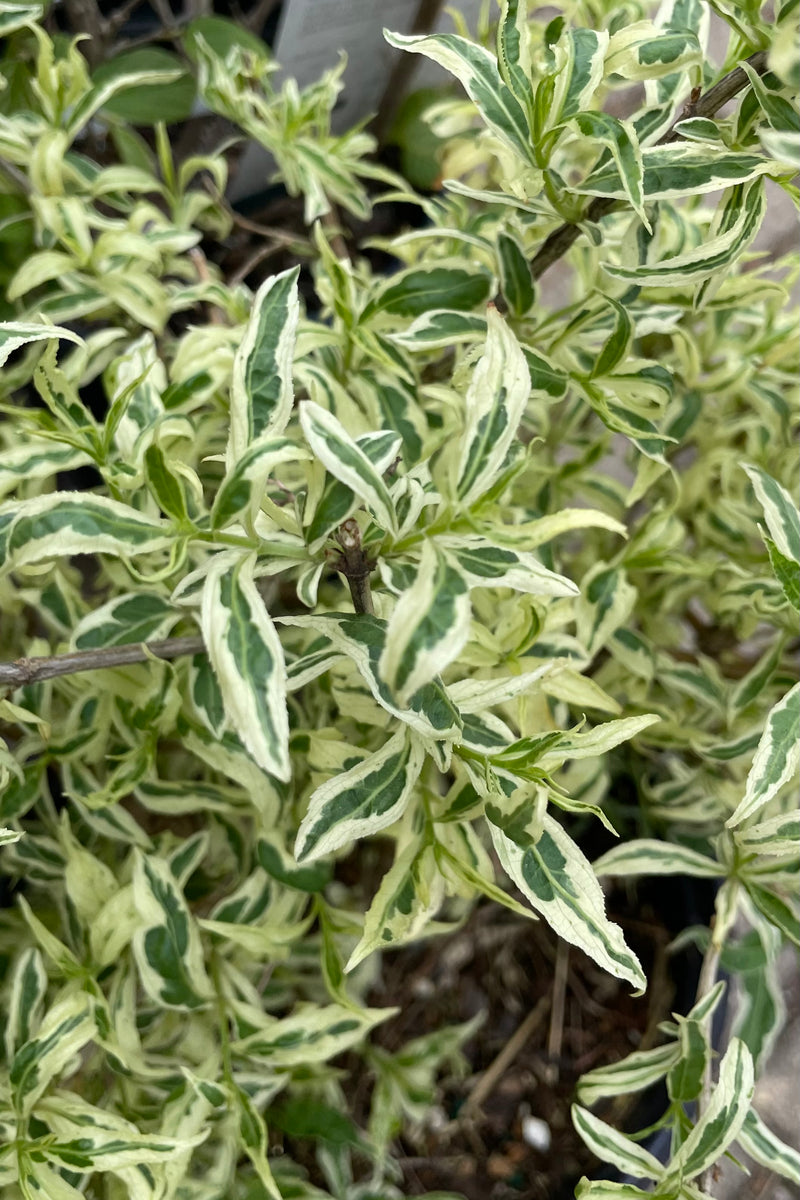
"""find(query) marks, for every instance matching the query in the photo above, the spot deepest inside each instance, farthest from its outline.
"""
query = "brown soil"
(551, 1014)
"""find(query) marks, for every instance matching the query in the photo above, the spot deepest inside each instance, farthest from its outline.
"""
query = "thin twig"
(558, 243)
(33, 670)
(556, 1036)
(515, 1044)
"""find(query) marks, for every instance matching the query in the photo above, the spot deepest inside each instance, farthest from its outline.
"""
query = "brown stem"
(558, 243)
(708, 977)
(33, 670)
(355, 566)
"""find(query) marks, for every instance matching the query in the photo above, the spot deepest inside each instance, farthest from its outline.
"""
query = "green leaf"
(611, 1146)
(516, 280)
(417, 290)
(247, 658)
(430, 712)
(776, 759)
(494, 403)
(167, 946)
(67, 523)
(347, 462)
(646, 856)
(477, 72)
(780, 914)
(221, 36)
(632, 1074)
(362, 801)
(721, 1120)
(410, 894)
(429, 625)
(261, 385)
(15, 334)
(766, 1148)
(142, 87)
(166, 488)
(559, 883)
(787, 573)
(281, 866)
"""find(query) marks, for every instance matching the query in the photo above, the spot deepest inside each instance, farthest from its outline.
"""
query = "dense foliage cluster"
(445, 566)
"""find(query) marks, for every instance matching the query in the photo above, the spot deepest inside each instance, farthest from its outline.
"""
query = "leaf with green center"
(261, 386)
(738, 223)
(767, 1149)
(476, 70)
(685, 1078)
(15, 334)
(494, 404)
(338, 501)
(559, 883)
(580, 75)
(780, 512)
(167, 946)
(362, 638)
(362, 801)
(678, 169)
(620, 140)
(428, 627)
(513, 50)
(634, 1073)
(66, 1028)
(646, 856)
(485, 564)
(67, 523)
(516, 280)
(418, 290)
(410, 894)
(776, 759)
(247, 658)
(611, 1146)
(347, 462)
(242, 490)
(721, 1121)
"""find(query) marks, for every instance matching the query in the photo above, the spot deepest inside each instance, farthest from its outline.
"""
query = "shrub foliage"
(395, 560)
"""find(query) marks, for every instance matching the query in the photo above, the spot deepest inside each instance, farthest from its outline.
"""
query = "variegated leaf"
(356, 803)
(247, 658)
(679, 169)
(242, 489)
(15, 334)
(559, 883)
(619, 138)
(131, 617)
(646, 856)
(764, 1147)
(311, 1034)
(347, 462)
(611, 1146)
(776, 759)
(582, 54)
(261, 387)
(780, 512)
(722, 1118)
(453, 284)
(513, 50)
(24, 1007)
(485, 564)
(409, 896)
(739, 221)
(476, 70)
(516, 280)
(66, 1028)
(362, 637)
(66, 523)
(428, 627)
(639, 1070)
(338, 501)
(167, 945)
(494, 404)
